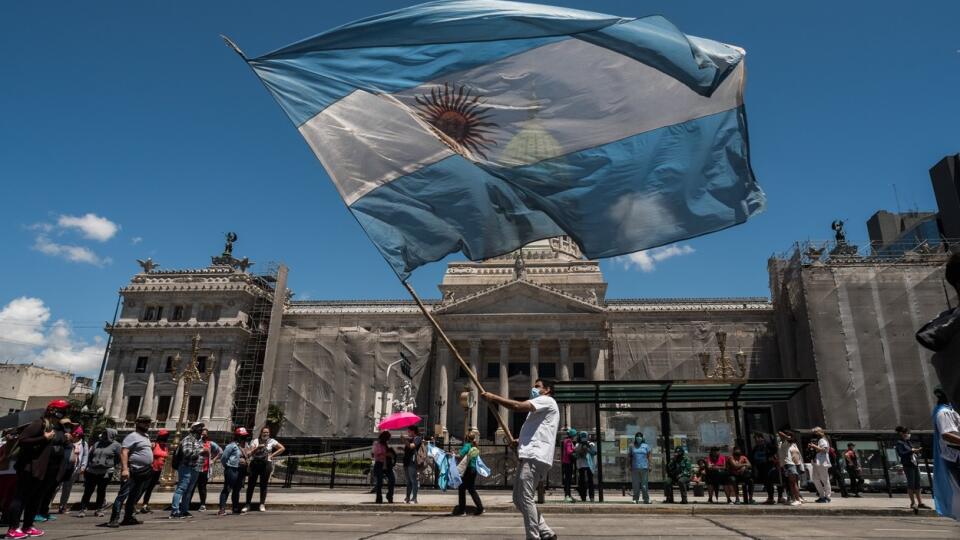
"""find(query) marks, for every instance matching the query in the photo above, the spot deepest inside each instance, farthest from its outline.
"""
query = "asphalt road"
(357, 526)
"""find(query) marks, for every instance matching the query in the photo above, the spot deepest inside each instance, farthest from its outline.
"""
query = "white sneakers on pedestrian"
(795, 503)
(263, 508)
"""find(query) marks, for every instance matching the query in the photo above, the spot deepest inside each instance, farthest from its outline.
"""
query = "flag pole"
(456, 354)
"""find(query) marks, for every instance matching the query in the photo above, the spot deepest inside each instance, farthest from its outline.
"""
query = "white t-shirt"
(823, 454)
(538, 436)
(948, 420)
(271, 446)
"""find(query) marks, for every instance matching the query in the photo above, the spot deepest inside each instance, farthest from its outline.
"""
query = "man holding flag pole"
(415, 114)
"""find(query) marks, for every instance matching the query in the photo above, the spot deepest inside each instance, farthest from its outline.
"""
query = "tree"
(275, 418)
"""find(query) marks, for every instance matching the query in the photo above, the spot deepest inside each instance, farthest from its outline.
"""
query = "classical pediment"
(520, 297)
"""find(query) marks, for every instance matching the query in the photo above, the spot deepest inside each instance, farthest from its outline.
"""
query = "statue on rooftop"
(228, 249)
(837, 226)
(519, 267)
(147, 265)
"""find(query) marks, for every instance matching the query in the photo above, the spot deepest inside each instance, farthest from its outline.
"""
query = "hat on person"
(58, 404)
(196, 426)
(163, 433)
(572, 432)
(241, 432)
(78, 431)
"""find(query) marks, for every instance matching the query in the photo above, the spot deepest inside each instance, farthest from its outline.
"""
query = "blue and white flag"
(480, 126)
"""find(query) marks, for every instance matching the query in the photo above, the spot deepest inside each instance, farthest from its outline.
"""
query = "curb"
(623, 509)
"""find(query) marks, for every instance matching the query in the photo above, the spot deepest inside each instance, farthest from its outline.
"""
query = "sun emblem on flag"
(459, 114)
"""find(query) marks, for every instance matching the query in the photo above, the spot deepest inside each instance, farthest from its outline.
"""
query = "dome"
(531, 144)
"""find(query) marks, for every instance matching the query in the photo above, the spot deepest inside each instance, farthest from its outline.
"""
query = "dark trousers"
(259, 471)
(151, 483)
(746, 482)
(856, 480)
(130, 491)
(469, 484)
(380, 470)
(48, 490)
(26, 501)
(838, 477)
(681, 485)
(567, 469)
(93, 481)
(202, 487)
(232, 484)
(585, 483)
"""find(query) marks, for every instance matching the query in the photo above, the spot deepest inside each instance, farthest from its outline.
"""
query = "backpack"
(421, 456)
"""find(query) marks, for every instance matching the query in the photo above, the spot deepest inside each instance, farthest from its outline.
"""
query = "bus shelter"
(664, 396)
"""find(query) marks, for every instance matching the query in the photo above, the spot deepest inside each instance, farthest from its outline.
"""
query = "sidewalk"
(322, 499)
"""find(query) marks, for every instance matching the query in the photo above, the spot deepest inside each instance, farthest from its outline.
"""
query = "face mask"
(534, 392)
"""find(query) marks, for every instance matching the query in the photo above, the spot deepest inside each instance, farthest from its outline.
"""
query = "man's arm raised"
(522, 406)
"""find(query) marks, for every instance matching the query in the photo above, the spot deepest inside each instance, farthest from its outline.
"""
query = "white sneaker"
(263, 508)
(795, 503)
(203, 508)
(245, 509)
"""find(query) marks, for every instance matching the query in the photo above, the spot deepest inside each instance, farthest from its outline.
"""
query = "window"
(168, 365)
(518, 368)
(493, 370)
(579, 370)
(133, 408)
(163, 408)
(201, 364)
(141, 364)
(548, 370)
(461, 373)
(159, 313)
(177, 313)
(209, 312)
(193, 409)
(149, 313)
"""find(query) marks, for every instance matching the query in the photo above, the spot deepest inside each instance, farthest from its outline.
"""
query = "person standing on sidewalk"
(72, 465)
(161, 450)
(821, 465)
(262, 451)
(836, 474)
(213, 454)
(136, 461)
(535, 447)
(37, 443)
(792, 461)
(567, 463)
(946, 455)
(411, 449)
(188, 462)
(584, 452)
(852, 462)
(467, 468)
(763, 457)
(231, 457)
(911, 469)
(380, 468)
(103, 458)
(640, 468)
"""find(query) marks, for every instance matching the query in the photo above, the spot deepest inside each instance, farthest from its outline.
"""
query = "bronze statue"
(231, 238)
(147, 265)
(519, 269)
(837, 226)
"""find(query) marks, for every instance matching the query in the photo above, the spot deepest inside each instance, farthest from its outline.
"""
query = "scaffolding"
(250, 370)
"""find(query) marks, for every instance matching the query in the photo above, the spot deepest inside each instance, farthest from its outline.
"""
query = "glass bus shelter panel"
(702, 430)
(871, 462)
(621, 427)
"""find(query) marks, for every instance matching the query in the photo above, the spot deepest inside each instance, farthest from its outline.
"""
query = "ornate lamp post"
(467, 401)
(724, 369)
(189, 374)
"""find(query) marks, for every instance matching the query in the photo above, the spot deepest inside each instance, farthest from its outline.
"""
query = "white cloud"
(92, 226)
(136, 240)
(647, 259)
(72, 253)
(26, 337)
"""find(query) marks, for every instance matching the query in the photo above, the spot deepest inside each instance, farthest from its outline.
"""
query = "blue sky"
(136, 115)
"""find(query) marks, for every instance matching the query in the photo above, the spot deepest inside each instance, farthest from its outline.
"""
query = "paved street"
(363, 525)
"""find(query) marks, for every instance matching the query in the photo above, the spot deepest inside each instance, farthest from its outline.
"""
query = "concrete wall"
(21, 381)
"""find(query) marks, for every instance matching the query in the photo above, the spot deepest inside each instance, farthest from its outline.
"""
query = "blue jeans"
(232, 484)
(186, 482)
(413, 485)
(640, 483)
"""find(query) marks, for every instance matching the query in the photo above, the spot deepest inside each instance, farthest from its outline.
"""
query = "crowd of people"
(52, 454)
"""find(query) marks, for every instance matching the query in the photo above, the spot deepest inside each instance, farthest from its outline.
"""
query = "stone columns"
(565, 375)
(227, 387)
(443, 394)
(598, 359)
(174, 416)
(475, 366)
(116, 409)
(208, 399)
(534, 360)
(504, 388)
(149, 401)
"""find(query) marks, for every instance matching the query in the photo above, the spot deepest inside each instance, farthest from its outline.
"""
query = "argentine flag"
(480, 126)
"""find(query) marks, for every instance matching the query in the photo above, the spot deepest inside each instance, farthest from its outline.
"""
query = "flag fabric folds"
(480, 126)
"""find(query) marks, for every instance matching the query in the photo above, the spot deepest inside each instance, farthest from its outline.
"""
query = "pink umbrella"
(398, 420)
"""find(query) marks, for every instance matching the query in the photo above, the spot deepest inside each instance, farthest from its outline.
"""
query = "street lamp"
(189, 374)
(724, 369)
(467, 401)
